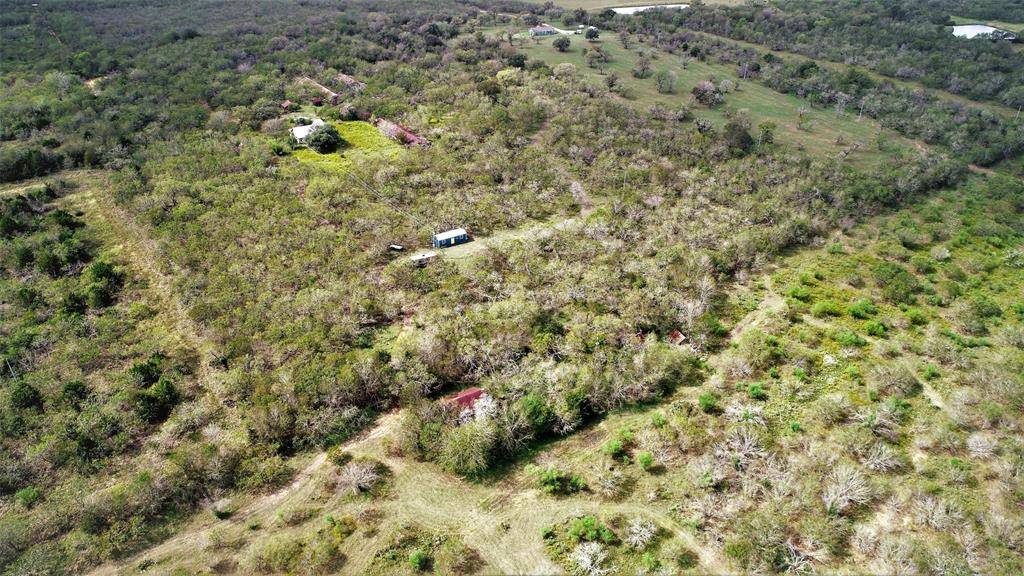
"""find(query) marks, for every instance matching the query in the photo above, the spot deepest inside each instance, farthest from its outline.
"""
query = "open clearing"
(364, 141)
(992, 107)
(823, 132)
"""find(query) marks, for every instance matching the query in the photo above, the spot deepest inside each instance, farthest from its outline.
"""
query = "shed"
(300, 133)
(400, 133)
(451, 238)
(422, 258)
(467, 398)
(286, 104)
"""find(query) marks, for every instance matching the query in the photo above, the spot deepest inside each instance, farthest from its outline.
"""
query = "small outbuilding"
(451, 238)
(467, 398)
(400, 133)
(422, 258)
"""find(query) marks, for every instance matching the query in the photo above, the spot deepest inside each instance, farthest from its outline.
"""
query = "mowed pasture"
(823, 133)
(363, 140)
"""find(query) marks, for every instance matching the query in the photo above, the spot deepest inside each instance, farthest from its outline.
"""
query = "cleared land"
(821, 132)
(363, 140)
(993, 107)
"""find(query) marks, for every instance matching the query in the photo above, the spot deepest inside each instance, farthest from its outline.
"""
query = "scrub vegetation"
(727, 309)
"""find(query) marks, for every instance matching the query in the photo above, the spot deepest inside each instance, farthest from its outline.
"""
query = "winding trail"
(146, 256)
(197, 536)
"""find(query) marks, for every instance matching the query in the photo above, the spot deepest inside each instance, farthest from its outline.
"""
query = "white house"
(300, 133)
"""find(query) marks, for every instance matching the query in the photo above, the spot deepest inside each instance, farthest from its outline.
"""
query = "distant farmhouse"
(543, 30)
(400, 133)
(451, 238)
(970, 31)
(300, 133)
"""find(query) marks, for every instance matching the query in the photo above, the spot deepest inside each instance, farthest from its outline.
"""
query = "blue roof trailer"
(451, 238)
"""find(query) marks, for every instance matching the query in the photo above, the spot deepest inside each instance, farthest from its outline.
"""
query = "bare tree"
(640, 533)
(356, 477)
(846, 487)
(590, 557)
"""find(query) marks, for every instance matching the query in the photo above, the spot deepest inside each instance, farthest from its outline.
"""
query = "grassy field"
(823, 133)
(363, 139)
(993, 107)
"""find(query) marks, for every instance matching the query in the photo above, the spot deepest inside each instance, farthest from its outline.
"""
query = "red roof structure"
(467, 398)
(676, 337)
(400, 133)
(286, 104)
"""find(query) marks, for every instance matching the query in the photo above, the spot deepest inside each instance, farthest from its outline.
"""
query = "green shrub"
(645, 459)
(325, 139)
(708, 402)
(614, 448)
(588, 529)
(554, 481)
(24, 396)
(156, 402)
(537, 411)
(756, 391)
(419, 559)
(916, 316)
(27, 496)
(799, 293)
(923, 264)
(466, 450)
(811, 278)
(898, 285)
(874, 328)
(848, 337)
(824, 308)
(862, 309)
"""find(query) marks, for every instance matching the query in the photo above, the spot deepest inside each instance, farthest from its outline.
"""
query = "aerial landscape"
(458, 287)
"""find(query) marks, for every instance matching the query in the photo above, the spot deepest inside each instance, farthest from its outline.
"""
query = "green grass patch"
(364, 142)
(822, 133)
